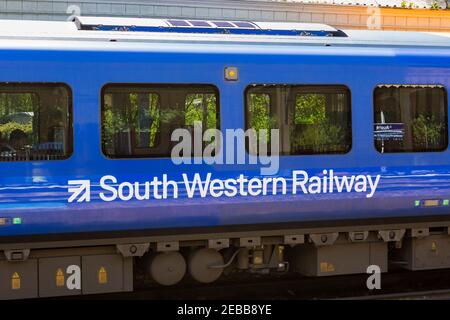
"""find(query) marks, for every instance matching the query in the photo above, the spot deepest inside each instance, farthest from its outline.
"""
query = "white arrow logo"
(77, 191)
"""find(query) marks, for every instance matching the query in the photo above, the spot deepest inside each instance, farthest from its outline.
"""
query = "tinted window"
(310, 119)
(138, 121)
(410, 118)
(35, 122)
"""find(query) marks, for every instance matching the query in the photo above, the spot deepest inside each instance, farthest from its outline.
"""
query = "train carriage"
(89, 183)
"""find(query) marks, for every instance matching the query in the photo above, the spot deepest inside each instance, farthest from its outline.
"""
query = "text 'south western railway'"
(207, 186)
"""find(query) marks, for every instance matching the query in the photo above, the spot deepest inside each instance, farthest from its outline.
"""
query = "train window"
(138, 120)
(310, 119)
(410, 118)
(259, 113)
(35, 122)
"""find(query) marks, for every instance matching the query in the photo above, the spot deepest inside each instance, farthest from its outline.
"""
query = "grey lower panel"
(54, 275)
(424, 253)
(18, 280)
(51, 273)
(104, 273)
(339, 259)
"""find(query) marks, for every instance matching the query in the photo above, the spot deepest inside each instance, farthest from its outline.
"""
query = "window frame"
(18, 85)
(410, 85)
(303, 89)
(139, 87)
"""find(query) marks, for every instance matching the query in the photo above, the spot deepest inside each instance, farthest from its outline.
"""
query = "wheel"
(167, 268)
(200, 262)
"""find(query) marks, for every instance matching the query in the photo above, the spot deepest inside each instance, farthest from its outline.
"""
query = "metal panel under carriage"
(54, 274)
(342, 257)
(64, 272)
(19, 279)
(106, 273)
(425, 251)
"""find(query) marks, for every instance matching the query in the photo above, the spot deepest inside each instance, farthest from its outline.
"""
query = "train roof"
(89, 31)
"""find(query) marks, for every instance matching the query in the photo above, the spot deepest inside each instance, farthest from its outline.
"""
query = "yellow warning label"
(15, 281)
(433, 246)
(102, 276)
(326, 267)
(60, 281)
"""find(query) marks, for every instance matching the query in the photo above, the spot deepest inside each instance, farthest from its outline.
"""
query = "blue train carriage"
(89, 191)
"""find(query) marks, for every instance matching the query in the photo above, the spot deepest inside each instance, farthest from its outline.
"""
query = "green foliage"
(403, 4)
(311, 129)
(16, 102)
(154, 113)
(11, 104)
(313, 132)
(259, 114)
(124, 119)
(196, 105)
(7, 128)
(427, 132)
(118, 118)
(318, 138)
(435, 5)
(310, 109)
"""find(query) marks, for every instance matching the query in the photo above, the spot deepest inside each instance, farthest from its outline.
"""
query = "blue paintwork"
(296, 33)
(37, 191)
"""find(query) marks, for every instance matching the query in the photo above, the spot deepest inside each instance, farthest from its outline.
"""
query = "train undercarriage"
(49, 269)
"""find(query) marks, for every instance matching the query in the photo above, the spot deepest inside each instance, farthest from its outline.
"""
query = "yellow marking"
(15, 281)
(330, 267)
(258, 257)
(60, 281)
(326, 267)
(431, 203)
(433, 246)
(102, 276)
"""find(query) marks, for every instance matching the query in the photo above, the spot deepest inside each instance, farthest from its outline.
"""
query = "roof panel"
(113, 21)
(216, 26)
(199, 23)
(223, 24)
(244, 24)
(178, 23)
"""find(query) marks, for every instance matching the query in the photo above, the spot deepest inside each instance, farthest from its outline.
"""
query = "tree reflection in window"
(310, 119)
(35, 122)
(418, 113)
(139, 121)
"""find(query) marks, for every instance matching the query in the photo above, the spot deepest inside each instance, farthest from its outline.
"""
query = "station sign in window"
(138, 120)
(410, 118)
(310, 119)
(35, 121)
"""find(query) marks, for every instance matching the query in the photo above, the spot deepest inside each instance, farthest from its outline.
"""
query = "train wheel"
(167, 268)
(200, 262)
